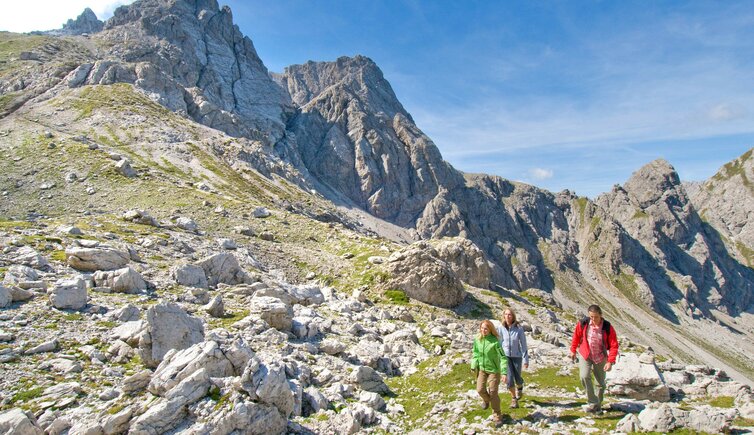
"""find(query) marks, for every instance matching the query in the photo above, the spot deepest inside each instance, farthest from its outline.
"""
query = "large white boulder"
(17, 422)
(637, 377)
(97, 258)
(223, 268)
(275, 312)
(169, 327)
(125, 280)
(69, 294)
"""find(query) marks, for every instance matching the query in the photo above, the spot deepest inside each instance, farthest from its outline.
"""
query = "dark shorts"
(514, 372)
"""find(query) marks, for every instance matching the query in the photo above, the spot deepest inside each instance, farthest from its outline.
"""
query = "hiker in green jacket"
(490, 367)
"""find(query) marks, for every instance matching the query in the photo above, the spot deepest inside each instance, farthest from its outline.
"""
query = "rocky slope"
(725, 203)
(248, 208)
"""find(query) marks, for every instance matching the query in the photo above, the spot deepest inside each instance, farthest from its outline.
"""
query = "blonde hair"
(490, 327)
(515, 319)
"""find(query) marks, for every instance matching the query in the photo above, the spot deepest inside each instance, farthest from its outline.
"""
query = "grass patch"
(747, 253)
(480, 309)
(228, 319)
(640, 214)
(118, 407)
(73, 317)
(722, 402)
(26, 394)
(398, 297)
(549, 377)
(581, 204)
(416, 392)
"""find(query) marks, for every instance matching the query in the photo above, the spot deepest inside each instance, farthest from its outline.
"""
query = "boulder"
(369, 380)
(125, 280)
(630, 377)
(98, 258)
(179, 365)
(244, 417)
(266, 382)
(69, 294)
(275, 312)
(417, 271)
(261, 212)
(186, 224)
(332, 346)
(27, 256)
(16, 422)
(137, 381)
(223, 268)
(465, 259)
(215, 307)
(305, 294)
(190, 275)
(169, 327)
(17, 274)
(314, 400)
(140, 217)
(6, 297)
(123, 167)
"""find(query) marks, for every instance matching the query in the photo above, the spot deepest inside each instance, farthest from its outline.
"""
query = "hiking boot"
(497, 420)
(519, 393)
(590, 407)
(514, 403)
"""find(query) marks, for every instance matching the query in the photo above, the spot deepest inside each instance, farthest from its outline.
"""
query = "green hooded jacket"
(489, 356)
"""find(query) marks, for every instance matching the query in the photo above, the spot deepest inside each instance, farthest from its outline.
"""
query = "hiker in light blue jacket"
(513, 342)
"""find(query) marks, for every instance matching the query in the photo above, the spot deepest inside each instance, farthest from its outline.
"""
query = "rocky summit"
(190, 243)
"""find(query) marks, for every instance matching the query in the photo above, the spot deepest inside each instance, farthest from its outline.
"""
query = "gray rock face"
(356, 138)
(69, 294)
(417, 271)
(179, 365)
(726, 201)
(655, 211)
(203, 67)
(169, 327)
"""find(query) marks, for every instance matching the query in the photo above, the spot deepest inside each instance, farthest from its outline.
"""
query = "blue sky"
(560, 94)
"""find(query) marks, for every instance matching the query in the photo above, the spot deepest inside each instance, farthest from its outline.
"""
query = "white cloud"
(540, 173)
(725, 112)
(51, 14)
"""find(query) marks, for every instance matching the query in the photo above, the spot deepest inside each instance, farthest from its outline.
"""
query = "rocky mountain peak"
(87, 22)
(191, 58)
(357, 76)
(652, 181)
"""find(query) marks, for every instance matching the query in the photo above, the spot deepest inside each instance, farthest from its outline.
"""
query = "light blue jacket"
(513, 341)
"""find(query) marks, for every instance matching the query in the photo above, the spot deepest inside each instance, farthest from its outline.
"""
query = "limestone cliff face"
(190, 57)
(726, 202)
(355, 137)
(654, 209)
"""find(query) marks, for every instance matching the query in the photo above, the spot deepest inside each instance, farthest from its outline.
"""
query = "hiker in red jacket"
(597, 346)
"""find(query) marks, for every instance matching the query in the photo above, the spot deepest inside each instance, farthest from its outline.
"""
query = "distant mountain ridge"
(338, 127)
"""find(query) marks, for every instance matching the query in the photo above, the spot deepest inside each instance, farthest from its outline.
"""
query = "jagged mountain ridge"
(338, 126)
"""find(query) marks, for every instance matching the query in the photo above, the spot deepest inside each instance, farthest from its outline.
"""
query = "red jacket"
(609, 339)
